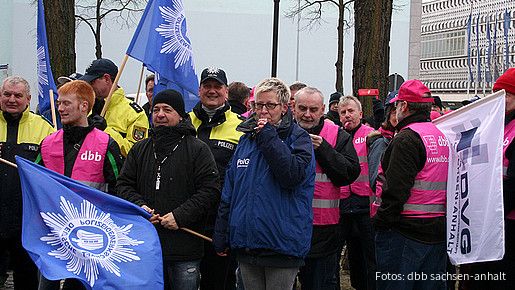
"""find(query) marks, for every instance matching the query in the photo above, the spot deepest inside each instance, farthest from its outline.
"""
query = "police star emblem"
(138, 133)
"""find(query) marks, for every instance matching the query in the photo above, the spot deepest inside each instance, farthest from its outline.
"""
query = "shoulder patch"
(136, 107)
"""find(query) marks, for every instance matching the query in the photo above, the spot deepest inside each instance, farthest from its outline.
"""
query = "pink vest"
(361, 186)
(89, 165)
(326, 199)
(509, 135)
(428, 194)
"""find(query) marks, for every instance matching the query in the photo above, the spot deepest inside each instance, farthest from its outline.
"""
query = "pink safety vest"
(361, 186)
(509, 135)
(428, 194)
(89, 165)
(326, 199)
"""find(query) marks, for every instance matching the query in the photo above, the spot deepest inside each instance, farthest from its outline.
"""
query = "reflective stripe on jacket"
(361, 186)
(428, 194)
(326, 199)
(89, 165)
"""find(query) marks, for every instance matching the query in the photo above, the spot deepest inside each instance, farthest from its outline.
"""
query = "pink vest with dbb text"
(428, 194)
(361, 186)
(89, 164)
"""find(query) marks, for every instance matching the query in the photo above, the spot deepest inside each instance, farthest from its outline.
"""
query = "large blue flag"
(71, 230)
(507, 21)
(45, 77)
(162, 44)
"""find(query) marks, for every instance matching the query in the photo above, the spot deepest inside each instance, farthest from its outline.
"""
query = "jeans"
(182, 275)
(267, 278)
(320, 273)
(358, 232)
(403, 263)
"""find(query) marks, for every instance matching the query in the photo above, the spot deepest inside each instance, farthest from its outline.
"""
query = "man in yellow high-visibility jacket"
(125, 121)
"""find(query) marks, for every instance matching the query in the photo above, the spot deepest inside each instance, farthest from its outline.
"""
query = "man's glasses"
(269, 106)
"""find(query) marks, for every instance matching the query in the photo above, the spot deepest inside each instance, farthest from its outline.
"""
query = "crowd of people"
(280, 184)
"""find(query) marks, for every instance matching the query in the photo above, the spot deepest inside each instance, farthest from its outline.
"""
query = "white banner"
(475, 222)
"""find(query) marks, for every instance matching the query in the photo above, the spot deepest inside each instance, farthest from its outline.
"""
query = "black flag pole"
(275, 38)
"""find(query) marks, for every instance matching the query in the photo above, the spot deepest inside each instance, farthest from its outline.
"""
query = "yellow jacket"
(127, 123)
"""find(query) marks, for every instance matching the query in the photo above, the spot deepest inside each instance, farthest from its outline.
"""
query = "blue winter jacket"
(268, 191)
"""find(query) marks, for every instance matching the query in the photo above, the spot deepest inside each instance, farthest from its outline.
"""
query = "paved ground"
(344, 279)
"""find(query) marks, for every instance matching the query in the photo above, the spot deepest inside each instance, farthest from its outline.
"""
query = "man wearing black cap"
(216, 125)
(332, 114)
(173, 176)
(124, 120)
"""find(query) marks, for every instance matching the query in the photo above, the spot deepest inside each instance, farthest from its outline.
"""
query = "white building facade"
(439, 45)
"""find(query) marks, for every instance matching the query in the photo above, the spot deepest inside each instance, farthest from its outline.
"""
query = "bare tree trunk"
(60, 27)
(98, 43)
(371, 48)
(339, 59)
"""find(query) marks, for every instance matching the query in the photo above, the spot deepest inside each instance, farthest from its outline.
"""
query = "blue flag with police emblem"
(45, 77)
(71, 230)
(162, 44)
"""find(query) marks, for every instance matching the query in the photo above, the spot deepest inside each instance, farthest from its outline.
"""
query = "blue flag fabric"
(479, 78)
(71, 230)
(469, 28)
(507, 21)
(45, 77)
(162, 44)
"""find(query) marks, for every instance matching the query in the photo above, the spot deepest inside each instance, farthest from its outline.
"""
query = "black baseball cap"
(215, 74)
(98, 68)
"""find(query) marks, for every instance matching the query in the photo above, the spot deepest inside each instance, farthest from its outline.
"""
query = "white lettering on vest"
(244, 163)
(360, 140)
(227, 145)
(431, 143)
(90, 156)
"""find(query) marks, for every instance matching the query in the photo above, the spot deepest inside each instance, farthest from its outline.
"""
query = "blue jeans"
(182, 275)
(404, 264)
(320, 273)
(267, 278)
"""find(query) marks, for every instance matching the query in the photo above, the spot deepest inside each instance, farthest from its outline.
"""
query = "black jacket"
(18, 136)
(341, 165)
(237, 107)
(189, 185)
(403, 160)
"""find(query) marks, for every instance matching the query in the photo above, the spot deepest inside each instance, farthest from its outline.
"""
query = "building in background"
(439, 45)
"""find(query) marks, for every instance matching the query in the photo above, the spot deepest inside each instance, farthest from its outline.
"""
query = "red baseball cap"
(413, 91)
